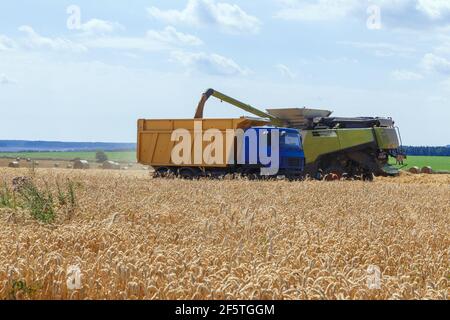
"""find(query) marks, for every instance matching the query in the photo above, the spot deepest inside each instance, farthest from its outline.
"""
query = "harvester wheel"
(331, 177)
(333, 173)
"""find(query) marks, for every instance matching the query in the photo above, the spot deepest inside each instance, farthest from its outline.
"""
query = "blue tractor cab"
(259, 147)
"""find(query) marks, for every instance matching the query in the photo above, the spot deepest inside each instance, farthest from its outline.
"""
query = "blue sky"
(89, 77)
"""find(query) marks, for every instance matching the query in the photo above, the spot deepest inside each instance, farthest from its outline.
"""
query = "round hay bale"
(125, 168)
(28, 159)
(36, 163)
(427, 170)
(69, 166)
(414, 170)
(18, 159)
(111, 165)
(81, 164)
(14, 164)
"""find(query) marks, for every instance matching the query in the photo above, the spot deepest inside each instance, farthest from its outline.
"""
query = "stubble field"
(132, 237)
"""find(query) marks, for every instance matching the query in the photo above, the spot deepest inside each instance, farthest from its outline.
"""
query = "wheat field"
(133, 237)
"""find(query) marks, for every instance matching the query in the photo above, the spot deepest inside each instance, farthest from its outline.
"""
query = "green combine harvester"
(342, 147)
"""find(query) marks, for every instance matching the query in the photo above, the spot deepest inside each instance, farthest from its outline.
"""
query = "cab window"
(292, 139)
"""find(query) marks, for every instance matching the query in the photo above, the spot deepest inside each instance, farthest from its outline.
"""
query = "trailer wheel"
(367, 176)
(292, 177)
(250, 174)
(187, 173)
(161, 172)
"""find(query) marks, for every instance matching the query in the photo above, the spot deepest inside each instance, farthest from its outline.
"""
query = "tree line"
(427, 151)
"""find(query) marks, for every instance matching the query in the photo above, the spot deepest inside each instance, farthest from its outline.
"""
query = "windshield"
(292, 139)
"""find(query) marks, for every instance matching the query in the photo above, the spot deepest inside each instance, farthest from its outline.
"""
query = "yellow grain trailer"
(155, 145)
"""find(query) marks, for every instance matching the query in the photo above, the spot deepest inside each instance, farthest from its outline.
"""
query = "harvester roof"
(300, 118)
(304, 118)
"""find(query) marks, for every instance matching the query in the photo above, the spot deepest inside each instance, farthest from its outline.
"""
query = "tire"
(292, 178)
(187, 174)
(161, 172)
(367, 177)
(333, 173)
(251, 174)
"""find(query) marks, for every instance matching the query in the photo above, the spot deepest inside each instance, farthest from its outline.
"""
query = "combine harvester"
(328, 146)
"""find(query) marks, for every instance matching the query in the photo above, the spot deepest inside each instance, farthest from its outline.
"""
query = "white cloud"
(34, 40)
(209, 63)
(95, 37)
(381, 49)
(5, 80)
(396, 12)
(338, 60)
(97, 26)
(443, 48)
(433, 63)
(446, 86)
(228, 17)
(437, 99)
(285, 71)
(126, 43)
(171, 36)
(435, 9)
(405, 75)
(6, 43)
(318, 10)
(166, 39)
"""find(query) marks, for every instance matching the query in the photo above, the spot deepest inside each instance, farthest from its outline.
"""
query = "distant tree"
(101, 156)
